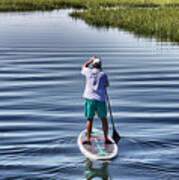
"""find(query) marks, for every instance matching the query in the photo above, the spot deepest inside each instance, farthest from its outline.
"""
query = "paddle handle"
(109, 108)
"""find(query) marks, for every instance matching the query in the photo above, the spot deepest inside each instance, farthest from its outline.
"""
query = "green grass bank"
(150, 18)
(25, 5)
(160, 23)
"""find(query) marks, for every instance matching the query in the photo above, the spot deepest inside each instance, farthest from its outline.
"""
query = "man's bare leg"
(89, 128)
(105, 129)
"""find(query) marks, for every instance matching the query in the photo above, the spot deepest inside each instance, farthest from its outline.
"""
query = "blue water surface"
(41, 105)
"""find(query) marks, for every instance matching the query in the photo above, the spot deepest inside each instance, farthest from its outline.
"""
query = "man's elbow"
(84, 66)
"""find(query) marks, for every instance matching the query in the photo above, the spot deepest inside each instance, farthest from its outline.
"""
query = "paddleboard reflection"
(92, 172)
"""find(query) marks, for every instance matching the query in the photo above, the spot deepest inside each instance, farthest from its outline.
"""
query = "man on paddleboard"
(94, 94)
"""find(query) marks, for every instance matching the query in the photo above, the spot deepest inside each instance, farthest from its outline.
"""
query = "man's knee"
(90, 120)
(104, 119)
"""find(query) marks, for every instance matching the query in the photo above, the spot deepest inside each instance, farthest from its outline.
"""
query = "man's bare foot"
(87, 142)
(108, 141)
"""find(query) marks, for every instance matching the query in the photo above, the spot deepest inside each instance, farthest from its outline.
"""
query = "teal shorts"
(93, 106)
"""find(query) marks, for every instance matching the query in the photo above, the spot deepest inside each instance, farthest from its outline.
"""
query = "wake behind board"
(97, 150)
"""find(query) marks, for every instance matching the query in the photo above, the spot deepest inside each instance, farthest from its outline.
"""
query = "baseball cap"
(97, 61)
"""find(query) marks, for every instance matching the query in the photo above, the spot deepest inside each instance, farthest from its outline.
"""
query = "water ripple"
(42, 109)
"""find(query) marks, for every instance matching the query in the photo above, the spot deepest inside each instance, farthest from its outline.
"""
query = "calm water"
(41, 109)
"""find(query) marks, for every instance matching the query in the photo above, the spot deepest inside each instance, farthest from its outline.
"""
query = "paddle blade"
(116, 136)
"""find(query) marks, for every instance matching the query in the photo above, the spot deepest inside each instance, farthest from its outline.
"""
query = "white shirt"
(96, 81)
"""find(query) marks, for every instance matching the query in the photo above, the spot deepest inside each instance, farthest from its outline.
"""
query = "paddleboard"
(98, 149)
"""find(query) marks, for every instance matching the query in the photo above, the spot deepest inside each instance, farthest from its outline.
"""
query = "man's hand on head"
(88, 62)
(93, 58)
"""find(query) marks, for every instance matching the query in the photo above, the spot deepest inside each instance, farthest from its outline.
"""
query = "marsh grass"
(23, 5)
(161, 23)
(26, 5)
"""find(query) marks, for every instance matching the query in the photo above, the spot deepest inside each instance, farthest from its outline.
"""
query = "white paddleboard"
(97, 150)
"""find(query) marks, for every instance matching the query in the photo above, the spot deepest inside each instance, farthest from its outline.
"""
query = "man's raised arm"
(88, 62)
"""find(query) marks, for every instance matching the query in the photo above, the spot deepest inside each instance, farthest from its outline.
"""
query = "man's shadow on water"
(92, 172)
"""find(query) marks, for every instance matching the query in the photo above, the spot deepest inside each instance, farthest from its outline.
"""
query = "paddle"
(115, 135)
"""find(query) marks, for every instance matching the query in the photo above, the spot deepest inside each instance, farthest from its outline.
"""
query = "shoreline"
(33, 5)
(152, 19)
(159, 23)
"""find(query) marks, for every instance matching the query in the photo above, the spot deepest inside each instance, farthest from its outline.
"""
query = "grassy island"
(150, 18)
(161, 23)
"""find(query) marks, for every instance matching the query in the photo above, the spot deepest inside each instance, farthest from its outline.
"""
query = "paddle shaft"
(115, 136)
(110, 111)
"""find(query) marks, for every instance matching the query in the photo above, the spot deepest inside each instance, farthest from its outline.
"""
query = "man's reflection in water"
(91, 172)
